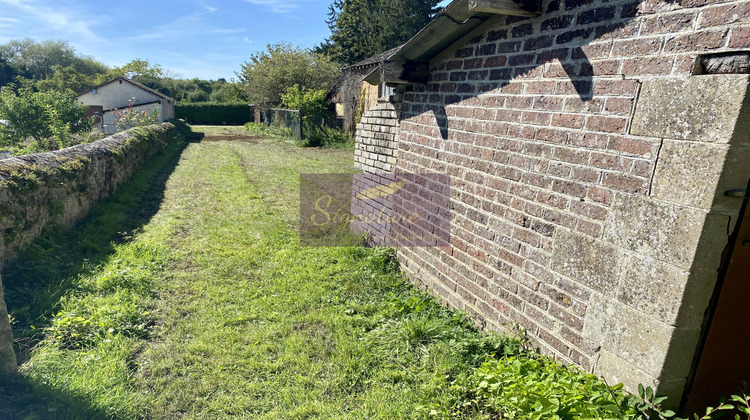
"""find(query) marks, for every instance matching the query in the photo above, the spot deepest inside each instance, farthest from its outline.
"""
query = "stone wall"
(46, 189)
(588, 162)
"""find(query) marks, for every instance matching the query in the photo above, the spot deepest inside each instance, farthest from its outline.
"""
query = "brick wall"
(376, 139)
(375, 154)
(574, 211)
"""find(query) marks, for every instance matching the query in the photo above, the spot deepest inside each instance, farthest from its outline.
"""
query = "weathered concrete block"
(735, 174)
(630, 338)
(588, 261)
(653, 287)
(663, 231)
(617, 370)
(698, 291)
(688, 109)
(634, 337)
(688, 173)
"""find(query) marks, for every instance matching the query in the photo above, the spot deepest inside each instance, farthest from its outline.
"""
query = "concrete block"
(653, 287)
(688, 173)
(660, 230)
(735, 174)
(695, 299)
(634, 337)
(587, 261)
(687, 109)
(617, 370)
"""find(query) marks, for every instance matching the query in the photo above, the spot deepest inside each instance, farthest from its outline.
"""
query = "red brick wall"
(530, 117)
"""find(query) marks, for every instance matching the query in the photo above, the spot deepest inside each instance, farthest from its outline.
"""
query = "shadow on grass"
(22, 399)
(48, 269)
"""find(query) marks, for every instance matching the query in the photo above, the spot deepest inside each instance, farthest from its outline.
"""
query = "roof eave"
(449, 25)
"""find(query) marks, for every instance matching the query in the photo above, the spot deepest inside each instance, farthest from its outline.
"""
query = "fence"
(287, 119)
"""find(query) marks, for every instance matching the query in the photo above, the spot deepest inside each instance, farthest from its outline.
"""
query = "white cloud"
(184, 27)
(62, 20)
(248, 40)
(278, 6)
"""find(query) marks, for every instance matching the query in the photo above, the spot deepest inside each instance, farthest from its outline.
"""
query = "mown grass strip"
(213, 310)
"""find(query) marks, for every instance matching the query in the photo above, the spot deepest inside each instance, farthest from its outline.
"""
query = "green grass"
(209, 308)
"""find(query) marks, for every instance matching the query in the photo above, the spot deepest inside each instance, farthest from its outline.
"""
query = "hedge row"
(213, 113)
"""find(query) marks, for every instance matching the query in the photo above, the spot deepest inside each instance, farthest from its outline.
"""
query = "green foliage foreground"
(49, 118)
(209, 308)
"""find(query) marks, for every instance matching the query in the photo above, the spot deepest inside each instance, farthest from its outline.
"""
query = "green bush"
(316, 111)
(321, 135)
(213, 113)
(49, 118)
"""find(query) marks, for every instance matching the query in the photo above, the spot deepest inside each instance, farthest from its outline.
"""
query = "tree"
(36, 60)
(65, 78)
(49, 118)
(363, 28)
(228, 93)
(270, 73)
(312, 102)
(7, 72)
(132, 70)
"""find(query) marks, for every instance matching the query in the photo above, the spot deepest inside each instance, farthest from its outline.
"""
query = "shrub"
(316, 113)
(315, 136)
(213, 113)
(49, 118)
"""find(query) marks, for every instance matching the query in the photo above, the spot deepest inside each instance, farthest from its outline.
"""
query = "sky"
(190, 38)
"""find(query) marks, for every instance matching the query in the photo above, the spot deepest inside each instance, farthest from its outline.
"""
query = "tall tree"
(270, 73)
(36, 60)
(363, 28)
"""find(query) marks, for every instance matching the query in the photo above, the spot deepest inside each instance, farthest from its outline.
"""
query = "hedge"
(214, 113)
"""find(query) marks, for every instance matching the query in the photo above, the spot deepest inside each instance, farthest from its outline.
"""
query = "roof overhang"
(410, 63)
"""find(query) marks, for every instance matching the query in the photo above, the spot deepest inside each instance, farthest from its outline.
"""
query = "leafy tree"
(49, 118)
(132, 70)
(225, 92)
(7, 72)
(270, 73)
(363, 28)
(312, 102)
(65, 78)
(36, 60)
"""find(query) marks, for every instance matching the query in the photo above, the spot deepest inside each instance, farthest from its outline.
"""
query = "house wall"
(354, 93)
(588, 166)
(117, 95)
(108, 119)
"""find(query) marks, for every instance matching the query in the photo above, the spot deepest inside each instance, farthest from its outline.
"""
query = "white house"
(107, 99)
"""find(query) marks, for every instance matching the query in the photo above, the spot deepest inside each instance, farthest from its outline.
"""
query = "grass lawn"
(188, 296)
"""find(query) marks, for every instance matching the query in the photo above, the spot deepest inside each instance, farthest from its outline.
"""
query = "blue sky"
(193, 38)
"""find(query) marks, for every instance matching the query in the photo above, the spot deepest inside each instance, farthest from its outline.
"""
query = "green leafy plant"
(737, 402)
(316, 113)
(48, 118)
